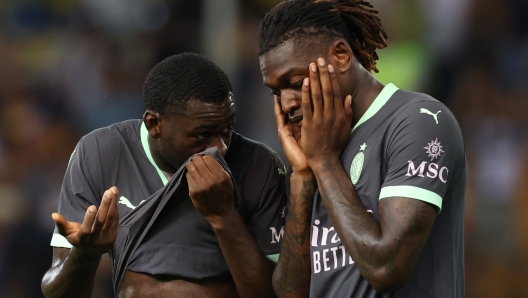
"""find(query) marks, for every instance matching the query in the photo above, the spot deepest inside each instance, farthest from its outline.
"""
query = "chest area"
(364, 162)
(134, 192)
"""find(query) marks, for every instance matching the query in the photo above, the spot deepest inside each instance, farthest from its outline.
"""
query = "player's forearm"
(251, 270)
(291, 277)
(359, 232)
(73, 278)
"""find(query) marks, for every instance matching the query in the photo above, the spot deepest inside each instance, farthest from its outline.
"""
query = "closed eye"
(297, 85)
(275, 92)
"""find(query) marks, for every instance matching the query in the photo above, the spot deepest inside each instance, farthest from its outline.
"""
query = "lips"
(295, 118)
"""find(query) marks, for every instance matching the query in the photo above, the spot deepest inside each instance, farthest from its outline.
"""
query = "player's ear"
(341, 55)
(152, 120)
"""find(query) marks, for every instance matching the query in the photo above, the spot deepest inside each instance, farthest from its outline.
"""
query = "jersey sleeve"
(266, 223)
(424, 153)
(78, 191)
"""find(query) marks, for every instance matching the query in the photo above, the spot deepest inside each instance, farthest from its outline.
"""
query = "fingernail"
(306, 81)
(92, 209)
(330, 68)
(314, 68)
(321, 61)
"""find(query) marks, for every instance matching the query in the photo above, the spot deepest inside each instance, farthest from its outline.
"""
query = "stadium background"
(70, 66)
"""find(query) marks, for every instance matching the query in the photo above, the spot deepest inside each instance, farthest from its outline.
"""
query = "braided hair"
(354, 20)
(179, 78)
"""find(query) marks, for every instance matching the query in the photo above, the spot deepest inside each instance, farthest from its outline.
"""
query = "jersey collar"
(146, 148)
(378, 103)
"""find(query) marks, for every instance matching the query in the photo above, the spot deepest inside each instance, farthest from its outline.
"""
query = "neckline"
(146, 148)
(378, 103)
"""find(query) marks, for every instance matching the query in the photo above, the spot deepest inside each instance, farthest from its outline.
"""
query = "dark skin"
(384, 250)
(172, 139)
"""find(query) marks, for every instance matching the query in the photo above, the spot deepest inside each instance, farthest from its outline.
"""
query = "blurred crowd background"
(68, 67)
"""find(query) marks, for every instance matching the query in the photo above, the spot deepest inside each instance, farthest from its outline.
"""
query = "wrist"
(222, 221)
(321, 165)
(86, 255)
(306, 174)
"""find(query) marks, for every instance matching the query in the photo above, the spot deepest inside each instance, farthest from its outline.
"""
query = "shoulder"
(107, 139)
(420, 114)
(420, 107)
(422, 122)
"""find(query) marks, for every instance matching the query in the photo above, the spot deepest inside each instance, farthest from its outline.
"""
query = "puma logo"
(281, 171)
(126, 202)
(426, 111)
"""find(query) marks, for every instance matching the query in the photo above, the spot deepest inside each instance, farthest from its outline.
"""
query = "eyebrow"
(285, 74)
(209, 126)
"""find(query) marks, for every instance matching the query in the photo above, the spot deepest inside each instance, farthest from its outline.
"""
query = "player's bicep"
(423, 153)
(406, 223)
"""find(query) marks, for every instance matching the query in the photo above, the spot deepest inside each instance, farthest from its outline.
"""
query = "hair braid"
(354, 20)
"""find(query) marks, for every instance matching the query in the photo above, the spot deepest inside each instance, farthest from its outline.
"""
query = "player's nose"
(220, 144)
(289, 101)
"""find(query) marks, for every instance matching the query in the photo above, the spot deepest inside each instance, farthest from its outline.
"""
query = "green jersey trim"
(378, 103)
(146, 147)
(57, 240)
(412, 192)
(274, 258)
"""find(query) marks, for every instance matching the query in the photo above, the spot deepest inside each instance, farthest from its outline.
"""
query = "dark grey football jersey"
(406, 145)
(119, 155)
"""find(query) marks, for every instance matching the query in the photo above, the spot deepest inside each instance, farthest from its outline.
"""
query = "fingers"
(214, 167)
(89, 218)
(205, 168)
(112, 216)
(315, 88)
(306, 103)
(194, 175)
(279, 114)
(102, 212)
(326, 86)
(335, 87)
(192, 167)
(62, 224)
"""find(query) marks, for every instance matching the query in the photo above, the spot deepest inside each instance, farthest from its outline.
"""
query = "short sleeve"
(78, 189)
(424, 153)
(266, 223)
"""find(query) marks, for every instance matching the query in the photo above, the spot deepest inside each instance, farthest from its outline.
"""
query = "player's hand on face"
(98, 232)
(290, 138)
(210, 187)
(326, 116)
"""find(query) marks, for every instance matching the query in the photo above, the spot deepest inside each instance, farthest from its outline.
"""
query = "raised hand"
(98, 231)
(290, 138)
(210, 187)
(326, 117)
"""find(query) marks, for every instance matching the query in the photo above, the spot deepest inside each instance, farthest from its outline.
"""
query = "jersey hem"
(412, 192)
(274, 258)
(57, 240)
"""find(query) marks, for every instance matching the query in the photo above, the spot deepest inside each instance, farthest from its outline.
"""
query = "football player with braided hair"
(378, 174)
